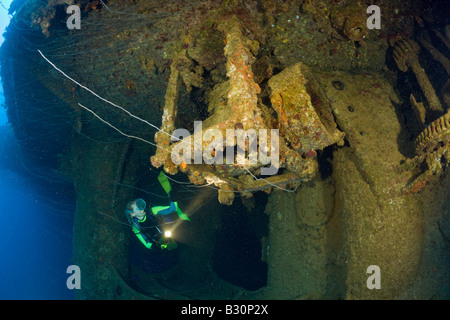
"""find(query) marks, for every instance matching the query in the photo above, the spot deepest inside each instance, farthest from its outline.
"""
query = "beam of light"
(192, 208)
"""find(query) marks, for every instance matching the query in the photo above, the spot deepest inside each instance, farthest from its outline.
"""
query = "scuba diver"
(146, 226)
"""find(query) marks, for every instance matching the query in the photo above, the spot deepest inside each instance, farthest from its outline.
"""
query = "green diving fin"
(170, 245)
(181, 215)
(165, 183)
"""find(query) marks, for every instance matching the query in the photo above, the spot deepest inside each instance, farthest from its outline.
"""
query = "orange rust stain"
(418, 186)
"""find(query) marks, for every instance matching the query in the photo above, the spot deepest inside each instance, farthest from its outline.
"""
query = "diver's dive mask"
(136, 208)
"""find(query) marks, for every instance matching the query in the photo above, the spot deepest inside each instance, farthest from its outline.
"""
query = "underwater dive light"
(168, 234)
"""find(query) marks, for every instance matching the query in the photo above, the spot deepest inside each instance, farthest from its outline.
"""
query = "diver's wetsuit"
(146, 231)
(136, 215)
(157, 259)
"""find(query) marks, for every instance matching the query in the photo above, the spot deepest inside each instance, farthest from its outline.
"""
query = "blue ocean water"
(35, 223)
(4, 21)
(35, 241)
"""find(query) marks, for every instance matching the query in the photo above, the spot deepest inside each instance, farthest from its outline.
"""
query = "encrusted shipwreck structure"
(303, 129)
(345, 129)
